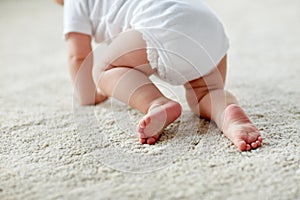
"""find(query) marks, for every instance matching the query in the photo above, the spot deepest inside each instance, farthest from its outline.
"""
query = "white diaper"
(185, 40)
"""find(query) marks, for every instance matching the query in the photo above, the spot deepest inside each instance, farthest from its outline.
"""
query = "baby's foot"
(158, 117)
(239, 129)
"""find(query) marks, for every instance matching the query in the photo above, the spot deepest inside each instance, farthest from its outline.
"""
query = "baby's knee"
(197, 89)
(194, 96)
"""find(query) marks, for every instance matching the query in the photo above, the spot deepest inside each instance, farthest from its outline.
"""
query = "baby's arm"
(80, 66)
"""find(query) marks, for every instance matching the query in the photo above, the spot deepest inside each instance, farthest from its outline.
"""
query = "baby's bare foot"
(158, 117)
(239, 129)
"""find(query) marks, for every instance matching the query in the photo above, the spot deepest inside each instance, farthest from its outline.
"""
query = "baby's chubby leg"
(206, 97)
(125, 77)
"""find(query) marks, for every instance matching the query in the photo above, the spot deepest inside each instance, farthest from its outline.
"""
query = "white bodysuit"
(185, 39)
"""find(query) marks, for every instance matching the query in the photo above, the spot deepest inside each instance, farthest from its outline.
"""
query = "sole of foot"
(240, 130)
(158, 117)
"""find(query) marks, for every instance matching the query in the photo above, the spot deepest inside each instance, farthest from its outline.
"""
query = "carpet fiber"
(48, 150)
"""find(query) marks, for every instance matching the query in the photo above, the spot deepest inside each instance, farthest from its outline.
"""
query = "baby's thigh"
(126, 50)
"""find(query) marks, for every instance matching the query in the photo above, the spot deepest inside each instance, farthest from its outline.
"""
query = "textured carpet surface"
(48, 150)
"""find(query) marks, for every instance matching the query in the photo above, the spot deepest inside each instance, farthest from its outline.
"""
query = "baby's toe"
(248, 147)
(254, 145)
(147, 120)
(142, 124)
(142, 140)
(241, 144)
(258, 143)
(260, 139)
(151, 140)
(141, 130)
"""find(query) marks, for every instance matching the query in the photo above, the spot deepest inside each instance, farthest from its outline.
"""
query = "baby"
(182, 42)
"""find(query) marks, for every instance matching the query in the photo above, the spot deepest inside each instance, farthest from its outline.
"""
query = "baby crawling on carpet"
(182, 42)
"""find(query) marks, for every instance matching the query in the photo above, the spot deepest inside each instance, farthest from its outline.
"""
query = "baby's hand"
(99, 98)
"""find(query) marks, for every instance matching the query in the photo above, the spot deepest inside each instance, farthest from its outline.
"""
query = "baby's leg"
(206, 97)
(125, 77)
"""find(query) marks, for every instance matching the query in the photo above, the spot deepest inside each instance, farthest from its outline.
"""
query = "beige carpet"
(50, 151)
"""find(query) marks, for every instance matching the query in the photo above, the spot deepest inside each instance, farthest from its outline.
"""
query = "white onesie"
(185, 39)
